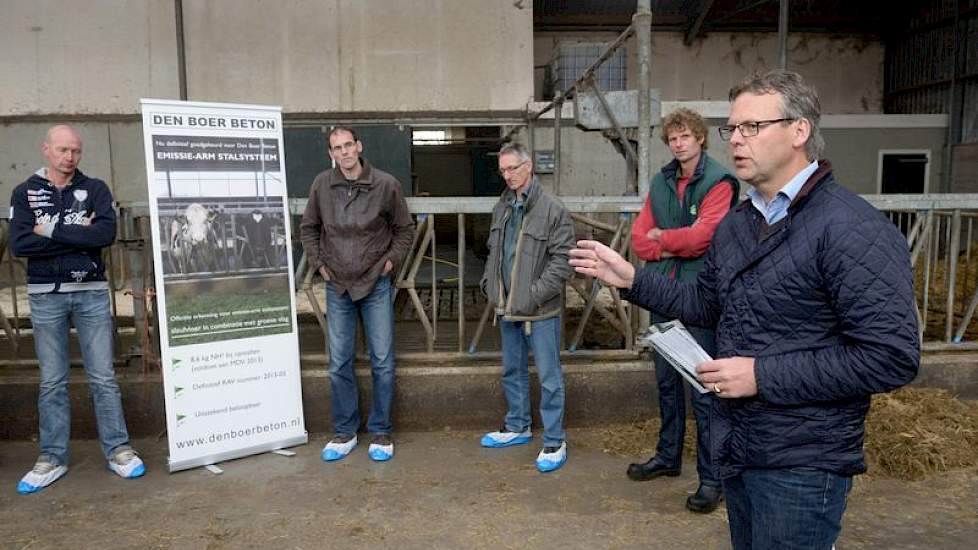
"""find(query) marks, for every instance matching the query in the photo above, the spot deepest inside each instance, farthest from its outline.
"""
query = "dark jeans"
(672, 409)
(795, 508)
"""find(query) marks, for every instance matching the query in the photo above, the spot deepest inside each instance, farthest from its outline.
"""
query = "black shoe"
(705, 500)
(651, 470)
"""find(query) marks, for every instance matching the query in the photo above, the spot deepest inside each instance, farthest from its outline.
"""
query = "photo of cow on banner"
(222, 235)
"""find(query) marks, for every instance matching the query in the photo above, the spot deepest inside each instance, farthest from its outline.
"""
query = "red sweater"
(685, 242)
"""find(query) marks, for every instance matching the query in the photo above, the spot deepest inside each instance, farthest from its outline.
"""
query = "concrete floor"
(441, 490)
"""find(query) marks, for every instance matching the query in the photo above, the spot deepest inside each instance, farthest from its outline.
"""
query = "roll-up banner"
(224, 279)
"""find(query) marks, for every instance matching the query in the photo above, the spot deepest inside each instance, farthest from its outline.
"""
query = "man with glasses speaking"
(529, 239)
(810, 289)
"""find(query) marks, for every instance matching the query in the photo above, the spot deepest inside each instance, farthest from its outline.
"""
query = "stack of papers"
(677, 346)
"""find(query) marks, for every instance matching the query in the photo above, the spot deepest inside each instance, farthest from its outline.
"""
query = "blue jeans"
(544, 339)
(794, 508)
(377, 310)
(51, 314)
(672, 409)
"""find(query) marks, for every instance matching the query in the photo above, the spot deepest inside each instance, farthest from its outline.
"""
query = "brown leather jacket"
(353, 228)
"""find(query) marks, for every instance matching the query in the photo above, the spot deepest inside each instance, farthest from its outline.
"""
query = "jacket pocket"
(781, 435)
(77, 268)
(42, 270)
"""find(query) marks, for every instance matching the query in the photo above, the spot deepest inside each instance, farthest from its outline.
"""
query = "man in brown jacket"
(356, 230)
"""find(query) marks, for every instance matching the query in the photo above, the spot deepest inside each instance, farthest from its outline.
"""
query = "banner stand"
(224, 278)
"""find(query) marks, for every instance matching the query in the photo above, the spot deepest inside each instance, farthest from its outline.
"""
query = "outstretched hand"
(597, 260)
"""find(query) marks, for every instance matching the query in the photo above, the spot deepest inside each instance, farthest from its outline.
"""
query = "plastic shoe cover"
(336, 450)
(548, 462)
(505, 438)
(127, 464)
(43, 474)
(381, 453)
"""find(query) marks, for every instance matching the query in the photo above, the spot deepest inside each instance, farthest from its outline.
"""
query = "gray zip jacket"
(540, 263)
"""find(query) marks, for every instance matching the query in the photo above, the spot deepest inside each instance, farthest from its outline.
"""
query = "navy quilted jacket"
(824, 302)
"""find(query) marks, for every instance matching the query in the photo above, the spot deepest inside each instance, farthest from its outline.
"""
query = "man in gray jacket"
(529, 240)
(356, 230)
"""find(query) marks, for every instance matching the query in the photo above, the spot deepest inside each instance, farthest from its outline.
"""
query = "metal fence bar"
(434, 287)
(461, 282)
(954, 228)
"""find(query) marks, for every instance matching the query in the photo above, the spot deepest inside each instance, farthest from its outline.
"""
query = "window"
(430, 137)
(903, 171)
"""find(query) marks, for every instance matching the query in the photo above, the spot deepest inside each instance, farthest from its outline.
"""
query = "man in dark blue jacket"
(61, 220)
(811, 291)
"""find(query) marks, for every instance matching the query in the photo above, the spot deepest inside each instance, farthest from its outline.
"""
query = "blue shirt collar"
(778, 207)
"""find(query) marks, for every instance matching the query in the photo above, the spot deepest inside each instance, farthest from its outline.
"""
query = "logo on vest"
(692, 210)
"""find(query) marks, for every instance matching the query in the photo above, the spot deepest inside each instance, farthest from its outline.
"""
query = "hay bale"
(915, 432)
(911, 433)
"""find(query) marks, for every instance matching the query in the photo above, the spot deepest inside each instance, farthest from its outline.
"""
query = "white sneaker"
(506, 438)
(339, 447)
(43, 474)
(551, 458)
(127, 464)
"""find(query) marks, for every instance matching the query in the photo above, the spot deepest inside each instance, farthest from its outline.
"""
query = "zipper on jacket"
(499, 272)
(60, 206)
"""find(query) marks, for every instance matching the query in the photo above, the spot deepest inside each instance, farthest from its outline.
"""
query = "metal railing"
(940, 229)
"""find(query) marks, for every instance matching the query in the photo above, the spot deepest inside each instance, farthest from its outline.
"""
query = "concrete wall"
(854, 153)
(96, 57)
(965, 168)
(848, 72)
(350, 55)
(306, 55)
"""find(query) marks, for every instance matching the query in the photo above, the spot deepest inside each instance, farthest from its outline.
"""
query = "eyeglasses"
(749, 129)
(511, 169)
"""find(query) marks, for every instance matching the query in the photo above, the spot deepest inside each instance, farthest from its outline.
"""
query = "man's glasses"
(511, 169)
(748, 129)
